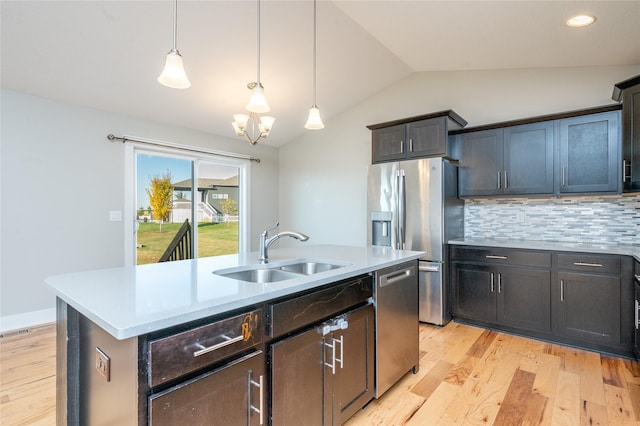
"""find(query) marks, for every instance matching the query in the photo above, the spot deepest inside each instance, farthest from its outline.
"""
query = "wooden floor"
(468, 376)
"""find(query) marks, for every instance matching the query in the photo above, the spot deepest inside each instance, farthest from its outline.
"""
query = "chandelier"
(252, 126)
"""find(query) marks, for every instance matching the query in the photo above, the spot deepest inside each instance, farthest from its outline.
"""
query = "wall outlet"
(115, 216)
(103, 364)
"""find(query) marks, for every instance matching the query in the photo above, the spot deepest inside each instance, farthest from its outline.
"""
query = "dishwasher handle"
(395, 276)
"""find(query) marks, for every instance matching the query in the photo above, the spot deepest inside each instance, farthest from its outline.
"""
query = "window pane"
(162, 206)
(218, 209)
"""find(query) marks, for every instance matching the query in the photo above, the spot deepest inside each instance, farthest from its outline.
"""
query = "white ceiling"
(108, 54)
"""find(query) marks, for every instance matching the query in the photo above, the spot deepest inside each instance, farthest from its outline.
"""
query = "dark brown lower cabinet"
(514, 297)
(589, 307)
(636, 312)
(230, 395)
(323, 375)
(581, 299)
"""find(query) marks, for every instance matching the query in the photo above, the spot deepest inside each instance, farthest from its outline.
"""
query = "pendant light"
(254, 127)
(314, 121)
(173, 74)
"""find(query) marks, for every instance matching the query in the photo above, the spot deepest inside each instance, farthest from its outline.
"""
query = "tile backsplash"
(588, 219)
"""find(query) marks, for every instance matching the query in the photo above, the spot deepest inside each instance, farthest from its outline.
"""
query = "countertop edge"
(624, 250)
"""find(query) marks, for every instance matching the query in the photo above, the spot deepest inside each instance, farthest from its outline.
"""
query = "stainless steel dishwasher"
(397, 334)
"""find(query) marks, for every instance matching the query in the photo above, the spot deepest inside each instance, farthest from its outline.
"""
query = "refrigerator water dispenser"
(381, 228)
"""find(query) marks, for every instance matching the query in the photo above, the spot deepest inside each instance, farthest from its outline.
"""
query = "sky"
(149, 166)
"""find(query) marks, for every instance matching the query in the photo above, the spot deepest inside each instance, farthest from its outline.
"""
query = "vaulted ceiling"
(108, 54)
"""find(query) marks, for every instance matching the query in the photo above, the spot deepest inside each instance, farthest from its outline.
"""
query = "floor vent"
(15, 333)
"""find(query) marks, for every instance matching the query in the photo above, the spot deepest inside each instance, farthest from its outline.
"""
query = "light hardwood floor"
(468, 376)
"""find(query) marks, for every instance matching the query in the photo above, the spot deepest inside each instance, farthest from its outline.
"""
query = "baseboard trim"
(27, 319)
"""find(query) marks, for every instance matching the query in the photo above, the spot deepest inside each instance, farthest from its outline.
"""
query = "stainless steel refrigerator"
(413, 205)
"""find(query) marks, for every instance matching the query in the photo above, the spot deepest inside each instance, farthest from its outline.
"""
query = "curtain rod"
(124, 139)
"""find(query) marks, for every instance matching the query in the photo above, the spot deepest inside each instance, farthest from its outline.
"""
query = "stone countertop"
(131, 301)
(621, 249)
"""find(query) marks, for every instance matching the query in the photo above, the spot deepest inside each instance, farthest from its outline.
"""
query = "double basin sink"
(268, 273)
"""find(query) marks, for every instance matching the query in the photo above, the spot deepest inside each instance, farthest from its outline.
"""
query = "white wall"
(323, 174)
(60, 177)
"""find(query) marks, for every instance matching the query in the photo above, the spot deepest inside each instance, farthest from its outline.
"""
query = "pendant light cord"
(258, 82)
(175, 25)
(314, 55)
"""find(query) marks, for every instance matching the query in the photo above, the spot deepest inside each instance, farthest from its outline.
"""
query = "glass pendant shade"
(258, 103)
(173, 74)
(314, 122)
(266, 123)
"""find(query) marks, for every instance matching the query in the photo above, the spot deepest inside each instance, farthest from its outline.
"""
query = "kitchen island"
(123, 333)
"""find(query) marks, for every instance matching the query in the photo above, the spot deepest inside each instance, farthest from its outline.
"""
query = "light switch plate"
(103, 364)
(115, 216)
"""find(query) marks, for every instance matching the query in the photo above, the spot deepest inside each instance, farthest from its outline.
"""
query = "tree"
(180, 196)
(160, 194)
(229, 207)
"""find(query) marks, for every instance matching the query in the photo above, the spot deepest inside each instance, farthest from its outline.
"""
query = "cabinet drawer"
(298, 312)
(596, 264)
(173, 356)
(501, 256)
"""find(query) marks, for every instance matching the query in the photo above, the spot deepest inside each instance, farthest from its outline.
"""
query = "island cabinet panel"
(230, 395)
(324, 375)
(582, 299)
(589, 153)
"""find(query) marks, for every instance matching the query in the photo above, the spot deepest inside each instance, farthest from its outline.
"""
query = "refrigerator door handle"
(402, 210)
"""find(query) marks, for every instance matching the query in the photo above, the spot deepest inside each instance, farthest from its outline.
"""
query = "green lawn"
(214, 239)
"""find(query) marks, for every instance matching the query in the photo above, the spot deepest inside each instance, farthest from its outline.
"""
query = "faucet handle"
(274, 227)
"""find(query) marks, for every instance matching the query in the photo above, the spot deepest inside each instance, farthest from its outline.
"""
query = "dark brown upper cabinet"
(628, 92)
(415, 137)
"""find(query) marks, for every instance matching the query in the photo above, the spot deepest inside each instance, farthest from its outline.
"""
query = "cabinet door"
(427, 137)
(353, 380)
(589, 153)
(223, 397)
(297, 368)
(388, 144)
(474, 291)
(528, 159)
(589, 307)
(631, 138)
(524, 299)
(481, 163)
(636, 307)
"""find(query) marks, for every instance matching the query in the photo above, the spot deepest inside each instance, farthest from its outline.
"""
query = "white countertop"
(552, 245)
(131, 301)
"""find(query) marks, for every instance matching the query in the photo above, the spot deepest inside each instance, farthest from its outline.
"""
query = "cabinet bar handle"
(401, 147)
(492, 282)
(499, 283)
(637, 315)
(341, 350)
(506, 180)
(595, 265)
(625, 164)
(637, 277)
(563, 177)
(490, 256)
(499, 181)
(410, 145)
(229, 341)
(562, 290)
(259, 384)
(333, 356)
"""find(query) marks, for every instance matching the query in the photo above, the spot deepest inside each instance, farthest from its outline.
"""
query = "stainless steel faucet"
(265, 241)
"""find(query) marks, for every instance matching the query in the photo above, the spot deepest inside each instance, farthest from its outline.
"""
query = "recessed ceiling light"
(581, 21)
